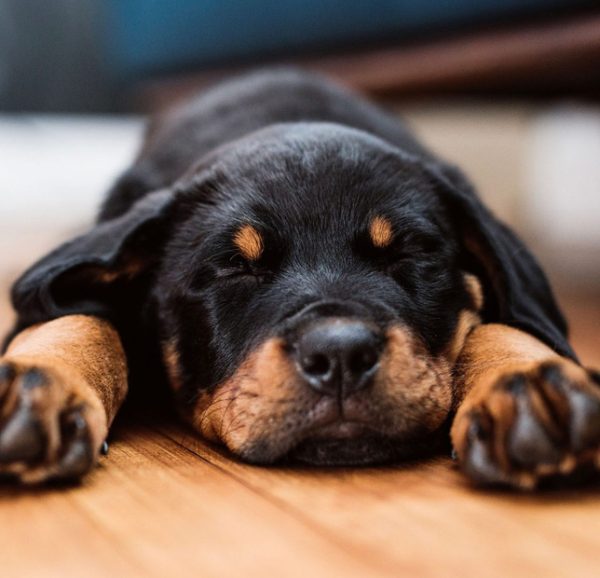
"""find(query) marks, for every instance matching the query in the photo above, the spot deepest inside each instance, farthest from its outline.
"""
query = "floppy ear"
(519, 292)
(96, 272)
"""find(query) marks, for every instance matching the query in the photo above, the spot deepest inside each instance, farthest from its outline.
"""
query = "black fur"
(308, 164)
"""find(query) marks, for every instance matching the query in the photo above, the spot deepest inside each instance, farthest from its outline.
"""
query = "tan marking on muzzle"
(252, 398)
(265, 403)
(412, 387)
(250, 242)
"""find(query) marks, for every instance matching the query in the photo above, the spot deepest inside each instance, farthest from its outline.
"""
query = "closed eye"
(417, 244)
(239, 267)
(414, 245)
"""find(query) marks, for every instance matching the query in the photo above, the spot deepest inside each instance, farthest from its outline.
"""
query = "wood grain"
(165, 503)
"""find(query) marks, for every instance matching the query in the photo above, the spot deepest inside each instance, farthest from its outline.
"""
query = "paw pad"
(47, 427)
(532, 425)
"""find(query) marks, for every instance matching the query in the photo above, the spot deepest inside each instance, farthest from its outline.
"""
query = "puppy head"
(311, 298)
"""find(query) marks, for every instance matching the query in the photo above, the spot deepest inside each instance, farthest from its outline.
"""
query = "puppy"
(316, 286)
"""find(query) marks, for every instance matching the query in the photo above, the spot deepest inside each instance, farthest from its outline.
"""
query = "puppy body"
(312, 278)
(182, 137)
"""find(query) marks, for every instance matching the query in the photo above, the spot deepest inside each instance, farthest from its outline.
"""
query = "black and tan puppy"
(320, 288)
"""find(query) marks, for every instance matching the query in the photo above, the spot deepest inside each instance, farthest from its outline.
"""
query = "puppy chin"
(336, 450)
(367, 449)
(362, 451)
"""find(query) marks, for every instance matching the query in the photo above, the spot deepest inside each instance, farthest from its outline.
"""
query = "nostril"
(316, 365)
(338, 356)
(362, 360)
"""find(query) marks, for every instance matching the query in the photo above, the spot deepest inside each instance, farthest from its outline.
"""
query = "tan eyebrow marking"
(250, 243)
(381, 232)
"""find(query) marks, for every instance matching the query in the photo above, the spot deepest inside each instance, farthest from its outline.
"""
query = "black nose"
(338, 356)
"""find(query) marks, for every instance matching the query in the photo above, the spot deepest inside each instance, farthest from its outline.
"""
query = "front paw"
(51, 425)
(528, 425)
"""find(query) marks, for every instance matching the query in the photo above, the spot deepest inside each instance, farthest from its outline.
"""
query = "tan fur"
(493, 354)
(129, 271)
(266, 400)
(381, 232)
(83, 367)
(493, 350)
(81, 346)
(171, 361)
(468, 319)
(251, 399)
(475, 290)
(250, 243)
(412, 388)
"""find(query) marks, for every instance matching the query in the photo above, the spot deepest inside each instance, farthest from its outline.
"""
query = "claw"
(481, 467)
(528, 442)
(7, 372)
(479, 464)
(552, 374)
(79, 456)
(7, 375)
(585, 420)
(22, 438)
(77, 460)
(32, 379)
(516, 384)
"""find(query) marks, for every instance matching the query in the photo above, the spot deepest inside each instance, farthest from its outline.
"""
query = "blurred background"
(507, 89)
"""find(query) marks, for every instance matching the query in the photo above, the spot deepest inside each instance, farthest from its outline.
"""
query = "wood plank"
(155, 509)
(425, 519)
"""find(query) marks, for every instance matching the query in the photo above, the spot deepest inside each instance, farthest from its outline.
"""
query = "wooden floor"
(163, 503)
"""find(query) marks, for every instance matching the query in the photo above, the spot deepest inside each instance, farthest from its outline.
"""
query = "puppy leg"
(61, 384)
(526, 413)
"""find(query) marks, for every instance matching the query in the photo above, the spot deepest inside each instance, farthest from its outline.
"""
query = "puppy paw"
(530, 425)
(51, 425)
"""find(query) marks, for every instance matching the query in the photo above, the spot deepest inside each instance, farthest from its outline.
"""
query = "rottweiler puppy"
(317, 287)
